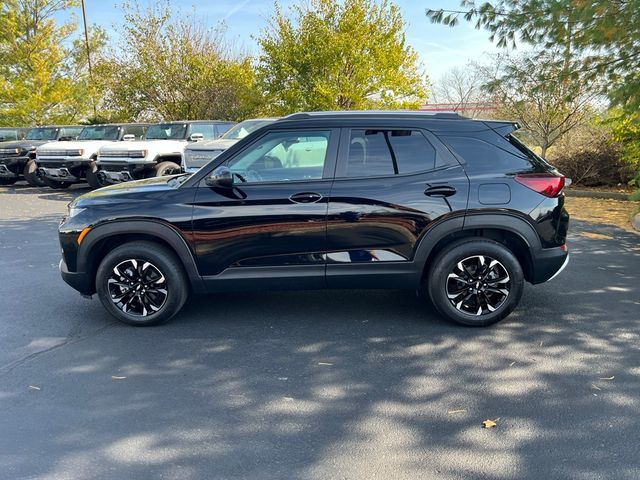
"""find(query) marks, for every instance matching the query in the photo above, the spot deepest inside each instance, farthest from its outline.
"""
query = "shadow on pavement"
(344, 384)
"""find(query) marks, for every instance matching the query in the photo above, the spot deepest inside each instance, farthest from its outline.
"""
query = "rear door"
(391, 185)
(272, 224)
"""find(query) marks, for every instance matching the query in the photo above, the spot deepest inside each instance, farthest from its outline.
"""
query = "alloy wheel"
(478, 285)
(137, 287)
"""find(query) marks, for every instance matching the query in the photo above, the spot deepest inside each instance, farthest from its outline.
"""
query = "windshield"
(101, 132)
(42, 134)
(167, 131)
(8, 134)
(243, 129)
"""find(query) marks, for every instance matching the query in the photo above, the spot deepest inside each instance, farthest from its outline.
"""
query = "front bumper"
(63, 169)
(119, 170)
(78, 280)
(12, 167)
(548, 263)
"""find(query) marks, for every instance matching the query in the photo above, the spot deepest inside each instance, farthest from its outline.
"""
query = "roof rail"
(373, 113)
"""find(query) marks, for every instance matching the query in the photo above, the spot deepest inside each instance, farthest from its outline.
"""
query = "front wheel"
(142, 283)
(166, 168)
(31, 174)
(93, 179)
(475, 282)
(55, 184)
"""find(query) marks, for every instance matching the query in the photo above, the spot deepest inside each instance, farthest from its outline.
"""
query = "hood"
(163, 145)
(106, 195)
(219, 144)
(89, 146)
(23, 144)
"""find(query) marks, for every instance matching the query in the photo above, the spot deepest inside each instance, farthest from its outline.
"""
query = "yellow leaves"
(489, 423)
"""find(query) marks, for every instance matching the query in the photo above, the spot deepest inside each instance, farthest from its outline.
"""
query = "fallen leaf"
(283, 378)
(34, 387)
(326, 364)
(115, 377)
(607, 378)
(452, 412)
(512, 364)
(595, 387)
(288, 399)
(489, 424)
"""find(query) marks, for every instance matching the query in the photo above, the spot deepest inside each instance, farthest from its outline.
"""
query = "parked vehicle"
(61, 165)
(18, 158)
(158, 154)
(8, 134)
(331, 200)
(197, 155)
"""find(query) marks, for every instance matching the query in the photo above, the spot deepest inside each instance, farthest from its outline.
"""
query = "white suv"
(199, 154)
(158, 153)
(62, 163)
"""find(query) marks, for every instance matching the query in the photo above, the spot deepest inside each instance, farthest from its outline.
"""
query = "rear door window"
(382, 152)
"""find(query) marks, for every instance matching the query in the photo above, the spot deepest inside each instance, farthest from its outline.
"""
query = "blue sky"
(440, 47)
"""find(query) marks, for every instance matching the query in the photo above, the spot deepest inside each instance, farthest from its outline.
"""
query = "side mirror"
(196, 136)
(129, 137)
(221, 177)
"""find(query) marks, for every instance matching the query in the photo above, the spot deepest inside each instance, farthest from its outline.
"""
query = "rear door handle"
(305, 197)
(440, 191)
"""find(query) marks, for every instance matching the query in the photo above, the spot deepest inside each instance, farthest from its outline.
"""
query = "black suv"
(330, 200)
(17, 158)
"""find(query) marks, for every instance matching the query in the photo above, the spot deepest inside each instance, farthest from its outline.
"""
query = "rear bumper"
(548, 263)
(78, 280)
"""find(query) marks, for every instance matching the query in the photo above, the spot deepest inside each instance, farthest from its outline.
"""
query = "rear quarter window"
(481, 156)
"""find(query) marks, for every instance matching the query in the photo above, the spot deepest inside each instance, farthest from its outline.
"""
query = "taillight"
(547, 184)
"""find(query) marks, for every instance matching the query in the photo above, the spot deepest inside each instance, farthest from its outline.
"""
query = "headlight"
(73, 211)
(137, 153)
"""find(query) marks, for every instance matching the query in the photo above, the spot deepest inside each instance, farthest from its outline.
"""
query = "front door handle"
(440, 191)
(305, 197)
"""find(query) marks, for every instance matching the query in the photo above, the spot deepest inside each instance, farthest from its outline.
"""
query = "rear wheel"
(8, 181)
(166, 168)
(142, 283)
(31, 175)
(55, 184)
(93, 179)
(475, 282)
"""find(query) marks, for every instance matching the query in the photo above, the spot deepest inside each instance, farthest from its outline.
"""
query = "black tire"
(136, 294)
(92, 176)
(30, 173)
(475, 255)
(55, 184)
(165, 168)
(8, 181)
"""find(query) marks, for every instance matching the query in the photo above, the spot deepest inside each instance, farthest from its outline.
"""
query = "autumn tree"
(41, 79)
(526, 89)
(330, 54)
(174, 68)
(462, 88)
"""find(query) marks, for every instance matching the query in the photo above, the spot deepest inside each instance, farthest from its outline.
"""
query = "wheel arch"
(513, 232)
(105, 237)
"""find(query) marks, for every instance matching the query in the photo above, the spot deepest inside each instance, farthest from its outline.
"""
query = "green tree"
(602, 37)
(327, 55)
(39, 78)
(168, 68)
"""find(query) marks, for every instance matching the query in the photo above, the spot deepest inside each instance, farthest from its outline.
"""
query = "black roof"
(346, 114)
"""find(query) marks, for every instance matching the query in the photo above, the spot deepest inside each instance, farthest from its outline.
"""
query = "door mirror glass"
(221, 177)
(128, 137)
(196, 136)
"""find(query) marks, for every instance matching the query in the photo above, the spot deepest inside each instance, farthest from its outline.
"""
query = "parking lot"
(316, 385)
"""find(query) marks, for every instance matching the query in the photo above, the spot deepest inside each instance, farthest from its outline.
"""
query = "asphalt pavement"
(316, 385)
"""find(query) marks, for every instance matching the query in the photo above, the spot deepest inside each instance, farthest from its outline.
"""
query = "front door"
(390, 185)
(271, 227)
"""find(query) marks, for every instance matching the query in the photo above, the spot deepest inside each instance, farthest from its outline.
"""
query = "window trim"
(328, 171)
(450, 160)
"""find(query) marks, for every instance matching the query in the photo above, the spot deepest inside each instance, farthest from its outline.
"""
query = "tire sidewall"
(161, 258)
(444, 265)
(31, 176)
(161, 168)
